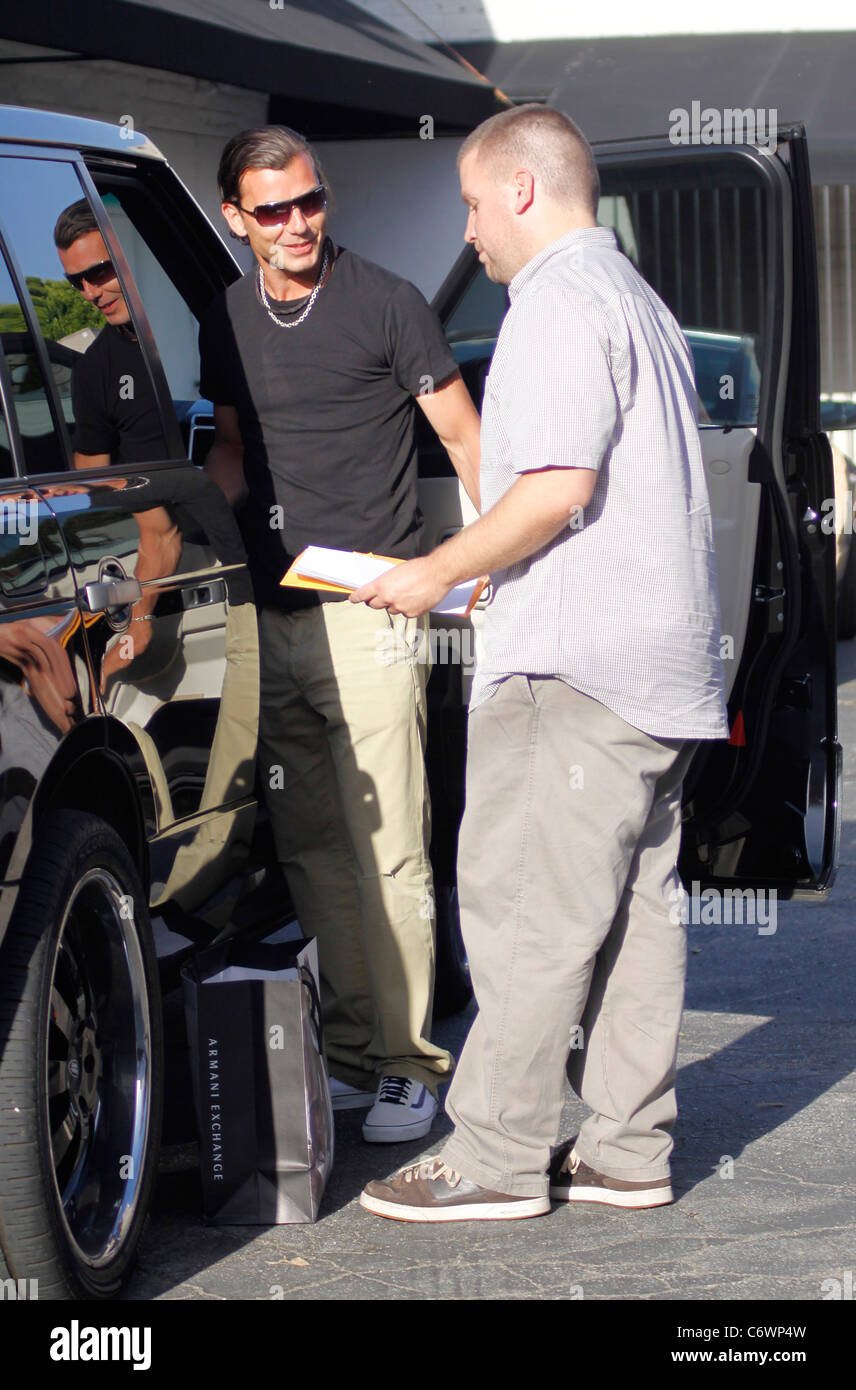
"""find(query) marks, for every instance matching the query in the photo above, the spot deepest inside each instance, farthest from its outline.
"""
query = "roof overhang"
(319, 51)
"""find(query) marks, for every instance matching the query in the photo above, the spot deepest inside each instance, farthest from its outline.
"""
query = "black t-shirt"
(326, 413)
(115, 410)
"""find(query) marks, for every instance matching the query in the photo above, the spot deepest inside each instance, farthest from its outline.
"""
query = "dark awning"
(320, 51)
(615, 88)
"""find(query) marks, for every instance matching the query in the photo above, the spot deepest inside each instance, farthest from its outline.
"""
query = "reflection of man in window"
(116, 419)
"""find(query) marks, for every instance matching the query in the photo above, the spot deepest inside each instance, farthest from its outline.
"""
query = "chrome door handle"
(115, 593)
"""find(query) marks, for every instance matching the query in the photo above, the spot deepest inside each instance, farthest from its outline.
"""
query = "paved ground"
(764, 1162)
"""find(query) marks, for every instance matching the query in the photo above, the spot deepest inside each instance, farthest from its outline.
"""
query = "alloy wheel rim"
(98, 1068)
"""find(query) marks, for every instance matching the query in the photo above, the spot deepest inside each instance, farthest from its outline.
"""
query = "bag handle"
(308, 979)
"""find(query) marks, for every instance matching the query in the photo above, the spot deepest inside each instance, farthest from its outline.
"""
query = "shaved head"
(546, 143)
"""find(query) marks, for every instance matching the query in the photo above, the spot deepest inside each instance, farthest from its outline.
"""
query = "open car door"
(725, 234)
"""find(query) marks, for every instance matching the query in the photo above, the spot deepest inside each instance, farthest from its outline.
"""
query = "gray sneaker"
(431, 1191)
(571, 1180)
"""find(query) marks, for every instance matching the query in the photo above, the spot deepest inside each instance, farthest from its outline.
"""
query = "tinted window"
(698, 234)
(175, 329)
(6, 469)
(43, 448)
(479, 312)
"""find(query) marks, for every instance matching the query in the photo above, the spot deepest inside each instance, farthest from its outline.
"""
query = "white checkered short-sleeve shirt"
(591, 370)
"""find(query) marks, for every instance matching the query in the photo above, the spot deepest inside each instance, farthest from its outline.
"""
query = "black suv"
(128, 706)
(129, 659)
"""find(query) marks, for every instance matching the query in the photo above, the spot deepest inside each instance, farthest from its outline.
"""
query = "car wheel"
(453, 988)
(845, 609)
(81, 1064)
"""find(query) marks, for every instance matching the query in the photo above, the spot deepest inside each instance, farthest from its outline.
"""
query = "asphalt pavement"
(763, 1167)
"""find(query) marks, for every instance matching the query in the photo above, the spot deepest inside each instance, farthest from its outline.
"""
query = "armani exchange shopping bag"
(260, 1084)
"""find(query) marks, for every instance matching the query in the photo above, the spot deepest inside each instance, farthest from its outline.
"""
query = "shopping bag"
(261, 1092)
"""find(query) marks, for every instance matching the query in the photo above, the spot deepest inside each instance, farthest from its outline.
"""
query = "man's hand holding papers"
(367, 575)
(412, 588)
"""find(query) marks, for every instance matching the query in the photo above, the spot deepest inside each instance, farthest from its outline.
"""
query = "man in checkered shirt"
(601, 671)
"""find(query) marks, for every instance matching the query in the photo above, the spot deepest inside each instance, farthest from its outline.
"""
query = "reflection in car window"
(6, 469)
(32, 555)
(99, 367)
(175, 329)
(43, 449)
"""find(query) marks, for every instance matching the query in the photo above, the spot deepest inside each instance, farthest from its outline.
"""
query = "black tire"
(453, 987)
(845, 609)
(81, 1064)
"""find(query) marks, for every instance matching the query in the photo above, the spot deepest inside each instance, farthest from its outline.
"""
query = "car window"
(699, 237)
(175, 329)
(102, 380)
(43, 448)
(477, 316)
(6, 464)
(5, 448)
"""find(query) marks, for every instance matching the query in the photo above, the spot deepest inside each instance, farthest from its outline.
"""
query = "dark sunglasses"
(96, 275)
(275, 214)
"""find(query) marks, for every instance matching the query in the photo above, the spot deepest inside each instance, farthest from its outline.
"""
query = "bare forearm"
(464, 454)
(158, 555)
(531, 514)
(451, 414)
(225, 466)
(534, 510)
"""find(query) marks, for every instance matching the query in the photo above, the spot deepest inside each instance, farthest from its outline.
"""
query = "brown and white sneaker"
(431, 1191)
(571, 1180)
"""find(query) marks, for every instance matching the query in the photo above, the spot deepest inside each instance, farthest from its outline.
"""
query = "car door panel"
(180, 703)
(47, 690)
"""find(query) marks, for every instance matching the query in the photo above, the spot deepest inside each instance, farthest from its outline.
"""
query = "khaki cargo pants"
(570, 911)
(342, 758)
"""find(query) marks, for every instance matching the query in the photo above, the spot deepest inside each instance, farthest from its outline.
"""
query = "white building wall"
(398, 202)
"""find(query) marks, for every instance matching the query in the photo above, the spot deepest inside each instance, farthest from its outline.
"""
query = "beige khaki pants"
(571, 918)
(342, 757)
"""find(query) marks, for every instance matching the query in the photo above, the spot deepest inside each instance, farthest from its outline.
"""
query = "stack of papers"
(319, 567)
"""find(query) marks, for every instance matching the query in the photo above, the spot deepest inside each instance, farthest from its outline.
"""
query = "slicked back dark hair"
(263, 147)
(73, 222)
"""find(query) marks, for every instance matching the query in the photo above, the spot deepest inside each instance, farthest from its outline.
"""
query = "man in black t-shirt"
(313, 361)
(116, 418)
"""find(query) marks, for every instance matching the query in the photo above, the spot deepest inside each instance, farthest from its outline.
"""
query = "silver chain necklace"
(293, 323)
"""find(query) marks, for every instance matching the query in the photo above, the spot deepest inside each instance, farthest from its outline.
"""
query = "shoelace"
(395, 1090)
(431, 1168)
